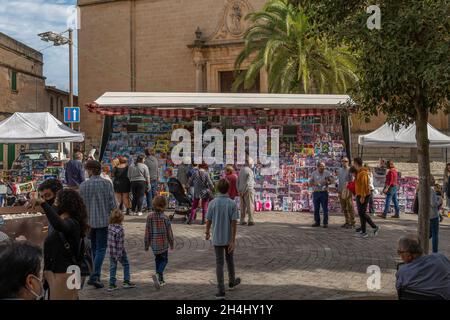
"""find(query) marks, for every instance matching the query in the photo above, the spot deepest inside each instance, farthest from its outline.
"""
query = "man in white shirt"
(246, 185)
(320, 180)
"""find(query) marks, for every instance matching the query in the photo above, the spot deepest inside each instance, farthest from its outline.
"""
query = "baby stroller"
(184, 202)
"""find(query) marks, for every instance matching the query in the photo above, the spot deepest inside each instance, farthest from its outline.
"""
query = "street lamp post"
(58, 40)
(70, 67)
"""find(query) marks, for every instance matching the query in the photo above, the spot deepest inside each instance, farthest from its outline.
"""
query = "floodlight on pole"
(59, 40)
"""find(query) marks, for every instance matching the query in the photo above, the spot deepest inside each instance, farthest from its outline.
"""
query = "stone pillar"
(200, 63)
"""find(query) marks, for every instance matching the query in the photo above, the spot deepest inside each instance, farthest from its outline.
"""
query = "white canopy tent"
(405, 137)
(36, 127)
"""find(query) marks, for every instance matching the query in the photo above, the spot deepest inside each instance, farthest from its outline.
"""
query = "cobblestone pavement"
(281, 257)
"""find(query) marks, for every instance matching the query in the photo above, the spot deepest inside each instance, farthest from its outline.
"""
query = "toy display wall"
(32, 173)
(303, 141)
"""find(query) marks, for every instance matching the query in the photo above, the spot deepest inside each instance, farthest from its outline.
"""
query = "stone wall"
(141, 45)
(27, 63)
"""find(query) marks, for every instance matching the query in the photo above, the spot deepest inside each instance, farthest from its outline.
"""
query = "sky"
(24, 19)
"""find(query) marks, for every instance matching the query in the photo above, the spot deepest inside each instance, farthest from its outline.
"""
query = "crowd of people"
(355, 186)
(91, 210)
(93, 207)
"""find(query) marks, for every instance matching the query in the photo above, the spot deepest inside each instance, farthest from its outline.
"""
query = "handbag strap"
(67, 247)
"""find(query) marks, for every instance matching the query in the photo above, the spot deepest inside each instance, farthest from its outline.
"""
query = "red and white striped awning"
(188, 105)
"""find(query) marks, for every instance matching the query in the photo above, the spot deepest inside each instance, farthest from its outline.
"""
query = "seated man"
(428, 274)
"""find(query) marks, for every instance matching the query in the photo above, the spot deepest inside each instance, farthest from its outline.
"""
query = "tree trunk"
(423, 156)
(413, 155)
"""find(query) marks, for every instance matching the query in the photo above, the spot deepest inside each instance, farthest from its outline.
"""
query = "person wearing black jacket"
(68, 220)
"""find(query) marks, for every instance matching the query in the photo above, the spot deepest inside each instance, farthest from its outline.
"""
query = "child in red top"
(351, 185)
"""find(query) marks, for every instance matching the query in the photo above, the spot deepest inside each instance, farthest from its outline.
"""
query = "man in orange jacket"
(362, 198)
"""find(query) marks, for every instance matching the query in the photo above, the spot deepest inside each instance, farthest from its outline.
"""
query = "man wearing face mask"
(20, 271)
(47, 191)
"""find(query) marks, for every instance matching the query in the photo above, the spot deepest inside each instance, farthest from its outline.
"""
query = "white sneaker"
(363, 235)
(376, 231)
(156, 281)
(139, 213)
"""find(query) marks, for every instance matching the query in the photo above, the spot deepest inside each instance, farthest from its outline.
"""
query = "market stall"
(16, 220)
(312, 128)
(30, 128)
(403, 137)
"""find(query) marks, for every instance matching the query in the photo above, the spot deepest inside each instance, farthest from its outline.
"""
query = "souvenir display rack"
(303, 142)
(34, 172)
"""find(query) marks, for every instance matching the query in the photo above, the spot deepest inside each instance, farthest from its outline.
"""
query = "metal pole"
(71, 68)
(71, 81)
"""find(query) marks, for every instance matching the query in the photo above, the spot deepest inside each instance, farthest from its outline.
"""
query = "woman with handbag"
(62, 245)
(139, 176)
(390, 189)
(122, 185)
(203, 186)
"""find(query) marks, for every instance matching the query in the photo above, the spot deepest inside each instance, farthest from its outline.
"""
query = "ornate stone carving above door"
(232, 24)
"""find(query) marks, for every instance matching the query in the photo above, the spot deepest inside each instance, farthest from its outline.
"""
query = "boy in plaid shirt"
(117, 253)
(159, 236)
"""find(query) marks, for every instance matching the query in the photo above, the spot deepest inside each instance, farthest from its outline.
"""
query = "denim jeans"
(99, 242)
(362, 212)
(220, 251)
(434, 233)
(320, 199)
(113, 268)
(161, 261)
(151, 194)
(392, 194)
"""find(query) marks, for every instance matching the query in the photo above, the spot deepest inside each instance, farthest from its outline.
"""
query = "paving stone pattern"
(281, 257)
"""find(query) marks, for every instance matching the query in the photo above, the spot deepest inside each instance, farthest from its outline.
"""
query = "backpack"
(83, 257)
(206, 193)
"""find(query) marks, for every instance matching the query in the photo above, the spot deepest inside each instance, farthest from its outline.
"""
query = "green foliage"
(404, 66)
(297, 59)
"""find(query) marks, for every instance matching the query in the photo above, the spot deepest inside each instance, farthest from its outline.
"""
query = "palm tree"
(296, 59)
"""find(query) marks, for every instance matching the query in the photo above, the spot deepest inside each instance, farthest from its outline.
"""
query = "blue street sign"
(71, 114)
